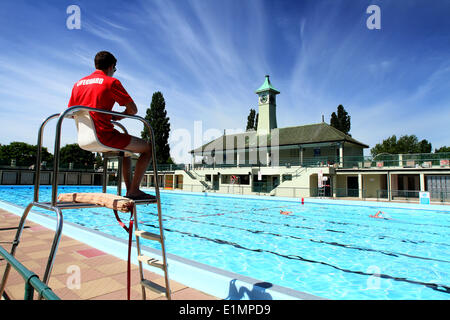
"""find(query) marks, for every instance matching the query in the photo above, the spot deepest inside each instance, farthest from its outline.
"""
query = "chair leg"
(119, 175)
(105, 173)
(55, 244)
(138, 247)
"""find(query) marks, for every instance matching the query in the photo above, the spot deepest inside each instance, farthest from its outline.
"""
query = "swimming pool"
(330, 250)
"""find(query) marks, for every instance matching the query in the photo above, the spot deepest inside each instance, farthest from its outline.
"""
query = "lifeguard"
(101, 90)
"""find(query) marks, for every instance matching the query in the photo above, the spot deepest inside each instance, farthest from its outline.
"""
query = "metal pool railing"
(31, 279)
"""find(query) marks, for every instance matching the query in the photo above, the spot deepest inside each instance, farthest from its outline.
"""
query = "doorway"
(352, 187)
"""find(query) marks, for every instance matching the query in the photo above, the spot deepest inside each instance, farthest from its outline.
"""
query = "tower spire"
(267, 117)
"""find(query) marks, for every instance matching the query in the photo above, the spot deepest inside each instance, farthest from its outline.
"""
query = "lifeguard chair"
(87, 140)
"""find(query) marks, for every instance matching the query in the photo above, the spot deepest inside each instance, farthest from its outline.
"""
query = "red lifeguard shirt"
(100, 91)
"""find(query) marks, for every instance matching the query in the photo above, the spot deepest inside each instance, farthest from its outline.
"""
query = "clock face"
(263, 98)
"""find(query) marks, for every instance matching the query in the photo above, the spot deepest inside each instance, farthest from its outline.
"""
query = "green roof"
(267, 86)
(306, 134)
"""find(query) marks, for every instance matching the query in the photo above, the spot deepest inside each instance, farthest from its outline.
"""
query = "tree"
(341, 120)
(98, 161)
(388, 145)
(442, 149)
(424, 146)
(157, 116)
(251, 120)
(405, 144)
(72, 153)
(23, 153)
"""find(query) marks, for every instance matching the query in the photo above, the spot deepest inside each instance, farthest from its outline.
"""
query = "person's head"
(106, 62)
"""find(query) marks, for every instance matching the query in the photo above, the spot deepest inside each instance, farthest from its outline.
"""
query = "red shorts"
(114, 139)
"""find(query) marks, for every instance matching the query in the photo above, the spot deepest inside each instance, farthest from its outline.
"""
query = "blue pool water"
(329, 250)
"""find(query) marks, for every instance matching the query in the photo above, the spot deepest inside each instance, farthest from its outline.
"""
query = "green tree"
(251, 120)
(341, 120)
(23, 153)
(442, 149)
(425, 146)
(405, 144)
(157, 116)
(98, 161)
(388, 145)
(408, 144)
(72, 153)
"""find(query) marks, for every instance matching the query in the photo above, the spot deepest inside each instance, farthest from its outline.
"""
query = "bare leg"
(138, 146)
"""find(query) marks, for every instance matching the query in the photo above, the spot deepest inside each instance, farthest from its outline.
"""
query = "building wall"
(351, 149)
(372, 183)
(301, 180)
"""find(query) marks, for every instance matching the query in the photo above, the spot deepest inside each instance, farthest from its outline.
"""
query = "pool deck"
(103, 276)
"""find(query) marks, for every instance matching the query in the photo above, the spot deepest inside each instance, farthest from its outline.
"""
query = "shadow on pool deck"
(102, 276)
(258, 291)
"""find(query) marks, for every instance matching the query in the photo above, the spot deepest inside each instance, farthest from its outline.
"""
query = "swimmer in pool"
(286, 213)
(381, 215)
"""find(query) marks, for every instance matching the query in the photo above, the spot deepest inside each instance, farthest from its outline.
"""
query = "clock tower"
(267, 116)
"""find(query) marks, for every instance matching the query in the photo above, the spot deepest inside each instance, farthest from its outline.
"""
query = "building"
(305, 161)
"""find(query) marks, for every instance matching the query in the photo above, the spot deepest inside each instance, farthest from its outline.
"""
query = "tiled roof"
(306, 134)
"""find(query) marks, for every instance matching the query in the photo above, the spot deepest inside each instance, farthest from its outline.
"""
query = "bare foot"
(135, 193)
(139, 195)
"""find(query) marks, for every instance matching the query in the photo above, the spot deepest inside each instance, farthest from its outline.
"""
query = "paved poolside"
(103, 277)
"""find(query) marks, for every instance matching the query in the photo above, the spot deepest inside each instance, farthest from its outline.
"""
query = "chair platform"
(77, 205)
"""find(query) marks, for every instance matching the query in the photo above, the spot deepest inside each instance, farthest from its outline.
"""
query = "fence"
(27, 176)
(424, 160)
(436, 195)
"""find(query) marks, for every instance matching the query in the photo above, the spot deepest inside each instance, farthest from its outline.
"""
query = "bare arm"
(131, 109)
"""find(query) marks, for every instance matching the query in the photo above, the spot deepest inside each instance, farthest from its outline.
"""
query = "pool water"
(330, 250)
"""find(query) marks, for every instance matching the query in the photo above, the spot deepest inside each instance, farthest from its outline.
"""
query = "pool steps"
(152, 262)
(148, 235)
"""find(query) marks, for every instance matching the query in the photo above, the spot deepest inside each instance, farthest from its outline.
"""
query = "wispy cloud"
(208, 57)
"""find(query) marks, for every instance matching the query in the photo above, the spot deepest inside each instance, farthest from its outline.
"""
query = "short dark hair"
(104, 59)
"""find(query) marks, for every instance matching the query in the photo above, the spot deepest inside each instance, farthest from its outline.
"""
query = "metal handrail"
(32, 281)
(39, 155)
(67, 113)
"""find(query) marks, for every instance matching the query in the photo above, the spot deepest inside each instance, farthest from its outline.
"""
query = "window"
(317, 152)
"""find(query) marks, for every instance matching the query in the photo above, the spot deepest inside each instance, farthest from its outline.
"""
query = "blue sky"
(208, 57)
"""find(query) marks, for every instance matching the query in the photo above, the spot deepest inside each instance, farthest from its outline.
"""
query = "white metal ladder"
(152, 262)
